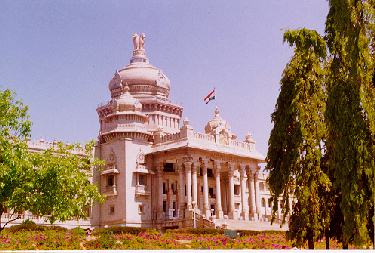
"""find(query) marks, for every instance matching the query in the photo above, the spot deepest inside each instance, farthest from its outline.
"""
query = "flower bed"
(129, 238)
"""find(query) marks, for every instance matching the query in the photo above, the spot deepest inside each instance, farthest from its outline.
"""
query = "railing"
(207, 139)
(44, 145)
(142, 190)
(170, 137)
(202, 221)
(126, 126)
(242, 145)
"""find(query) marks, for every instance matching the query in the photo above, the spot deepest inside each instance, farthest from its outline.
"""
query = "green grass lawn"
(32, 237)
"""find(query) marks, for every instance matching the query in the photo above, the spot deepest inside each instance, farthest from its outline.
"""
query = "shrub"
(197, 231)
(78, 231)
(123, 230)
(252, 233)
(55, 228)
(26, 225)
(29, 225)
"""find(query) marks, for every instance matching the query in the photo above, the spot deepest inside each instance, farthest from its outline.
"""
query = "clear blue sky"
(60, 55)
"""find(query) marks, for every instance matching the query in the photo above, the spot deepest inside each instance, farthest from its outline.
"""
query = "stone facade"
(160, 172)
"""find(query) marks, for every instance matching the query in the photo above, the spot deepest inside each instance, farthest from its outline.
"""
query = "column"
(169, 199)
(257, 194)
(252, 193)
(244, 197)
(206, 206)
(159, 169)
(231, 192)
(188, 183)
(181, 192)
(218, 211)
(195, 184)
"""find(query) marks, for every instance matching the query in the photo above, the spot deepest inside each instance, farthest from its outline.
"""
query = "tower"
(139, 106)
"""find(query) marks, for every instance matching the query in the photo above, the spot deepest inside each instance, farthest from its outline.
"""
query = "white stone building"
(162, 173)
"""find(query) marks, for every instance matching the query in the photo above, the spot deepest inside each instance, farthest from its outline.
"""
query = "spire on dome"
(217, 112)
(139, 52)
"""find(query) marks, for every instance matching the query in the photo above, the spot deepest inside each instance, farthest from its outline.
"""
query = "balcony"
(142, 190)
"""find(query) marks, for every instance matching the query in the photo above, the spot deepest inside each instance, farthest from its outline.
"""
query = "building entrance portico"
(212, 188)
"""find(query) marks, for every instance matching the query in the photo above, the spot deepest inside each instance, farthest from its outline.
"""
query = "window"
(174, 188)
(164, 189)
(236, 190)
(142, 180)
(261, 186)
(211, 192)
(269, 203)
(201, 188)
(168, 167)
(174, 209)
(111, 209)
(110, 180)
(140, 209)
(263, 202)
(185, 189)
(237, 205)
(210, 173)
(164, 206)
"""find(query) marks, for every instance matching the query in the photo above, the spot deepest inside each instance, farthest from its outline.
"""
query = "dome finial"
(217, 111)
(139, 53)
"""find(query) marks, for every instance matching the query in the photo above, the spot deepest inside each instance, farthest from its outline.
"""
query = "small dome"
(249, 138)
(217, 123)
(126, 102)
(115, 82)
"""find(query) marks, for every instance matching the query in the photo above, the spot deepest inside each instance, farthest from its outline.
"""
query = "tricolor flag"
(210, 96)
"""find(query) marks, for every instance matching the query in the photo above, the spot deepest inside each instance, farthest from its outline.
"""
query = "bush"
(55, 228)
(29, 225)
(252, 233)
(78, 231)
(197, 231)
(123, 230)
(26, 225)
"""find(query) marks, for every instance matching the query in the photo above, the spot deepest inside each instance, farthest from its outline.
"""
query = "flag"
(210, 96)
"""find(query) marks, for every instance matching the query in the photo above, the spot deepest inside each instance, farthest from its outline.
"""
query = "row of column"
(191, 181)
(162, 120)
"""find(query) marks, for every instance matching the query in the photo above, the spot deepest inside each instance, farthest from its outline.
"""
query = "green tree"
(61, 188)
(350, 115)
(53, 182)
(15, 170)
(295, 145)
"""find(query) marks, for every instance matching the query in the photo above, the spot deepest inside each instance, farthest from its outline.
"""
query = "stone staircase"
(249, 225)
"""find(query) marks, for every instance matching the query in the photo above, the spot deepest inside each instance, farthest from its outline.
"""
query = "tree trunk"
(1, 213)
(310, 243)
(345, 245)
(327, 239)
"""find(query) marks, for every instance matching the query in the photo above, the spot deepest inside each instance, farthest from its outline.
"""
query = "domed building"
(159, 171)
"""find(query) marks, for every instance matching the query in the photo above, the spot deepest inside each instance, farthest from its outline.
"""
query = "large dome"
(142, 78)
